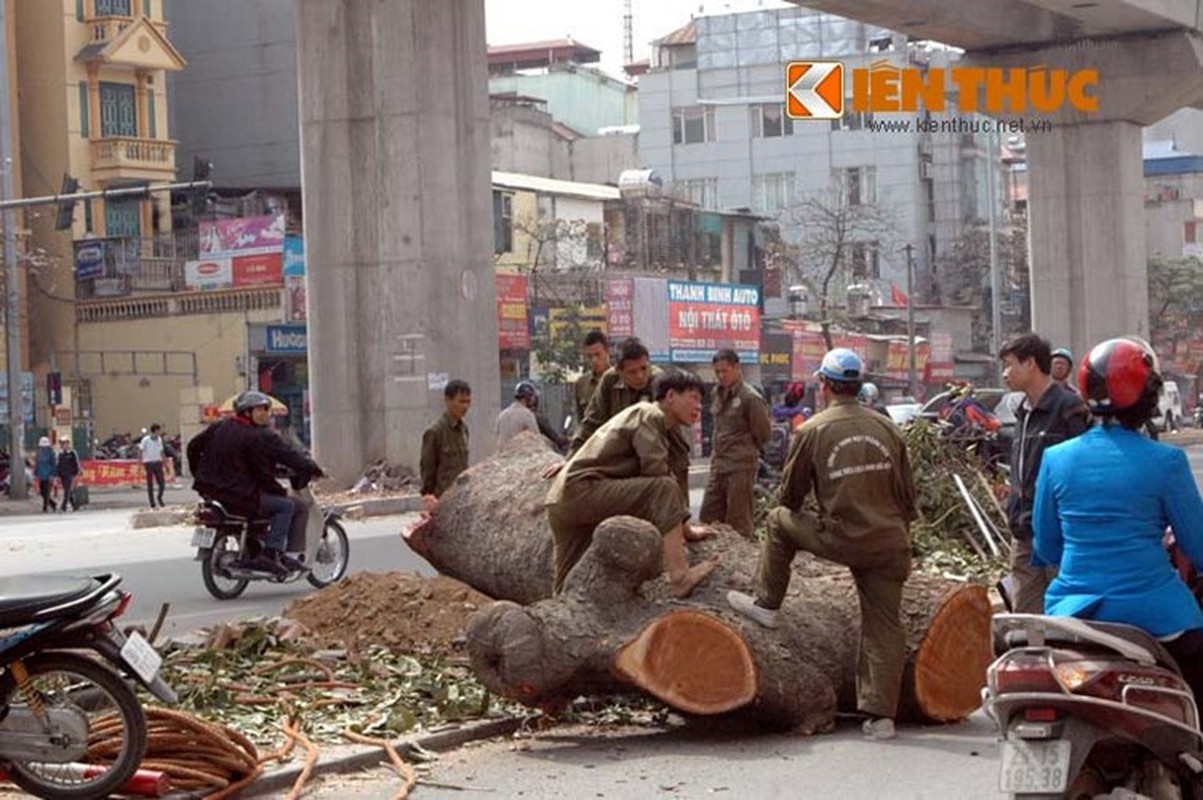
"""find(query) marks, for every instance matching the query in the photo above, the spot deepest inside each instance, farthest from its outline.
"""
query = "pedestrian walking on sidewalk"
(151, 448)
(44, 468)
(68, 470)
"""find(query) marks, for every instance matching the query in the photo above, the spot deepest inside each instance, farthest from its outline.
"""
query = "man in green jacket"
(741, 427)
(627, 467)
(597, 358)
(445, 443)
(854, 462)
(620, 386)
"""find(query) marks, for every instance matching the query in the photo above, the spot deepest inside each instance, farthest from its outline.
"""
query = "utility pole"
(911, 377)
(995, 278)
(12, 296)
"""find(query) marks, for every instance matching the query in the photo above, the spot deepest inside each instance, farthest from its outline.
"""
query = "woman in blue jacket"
(44, 468)
(1103, 502)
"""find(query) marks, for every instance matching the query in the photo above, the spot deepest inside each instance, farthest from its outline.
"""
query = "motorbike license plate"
(141, 657)
(1038, 767)
(203, 537)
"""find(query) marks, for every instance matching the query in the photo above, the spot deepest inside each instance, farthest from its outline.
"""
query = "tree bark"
(616, 626)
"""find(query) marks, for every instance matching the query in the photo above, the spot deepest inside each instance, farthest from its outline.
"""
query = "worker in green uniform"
(626, 467)
(620, 386)
(596, 348)
(741, 427)
(854, 461)
(445, 443)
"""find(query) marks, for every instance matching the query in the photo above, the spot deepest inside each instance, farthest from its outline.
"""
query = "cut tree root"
(616, 626)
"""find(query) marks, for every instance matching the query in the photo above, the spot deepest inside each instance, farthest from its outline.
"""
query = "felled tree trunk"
(616, 626)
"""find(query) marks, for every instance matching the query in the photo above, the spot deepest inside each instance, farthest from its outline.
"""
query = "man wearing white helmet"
(519, 415)
(870, 397)
(854, 462)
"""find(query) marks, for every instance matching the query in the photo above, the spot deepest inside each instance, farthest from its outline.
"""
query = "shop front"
(279, 359)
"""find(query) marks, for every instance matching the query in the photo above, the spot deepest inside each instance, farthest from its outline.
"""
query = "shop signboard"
(258, 269)
(809, 349)
(575, 322)
(245, 235)
(705, 317)
(286, 340)
(120, 472)
(209, 274)
(650, 315)
(776, 357)
(294, 277)
(89, 259)
(513, 332)
(620, 307)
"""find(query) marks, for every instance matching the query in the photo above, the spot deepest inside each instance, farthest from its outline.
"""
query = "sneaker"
(879, 728)
(746, 605)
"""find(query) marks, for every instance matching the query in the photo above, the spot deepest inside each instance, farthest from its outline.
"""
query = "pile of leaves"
(946, 532)
(258, 675)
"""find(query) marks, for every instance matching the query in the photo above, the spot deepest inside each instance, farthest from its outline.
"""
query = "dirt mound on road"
(402, 611)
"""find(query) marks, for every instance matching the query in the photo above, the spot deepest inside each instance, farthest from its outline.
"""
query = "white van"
(1169, 409)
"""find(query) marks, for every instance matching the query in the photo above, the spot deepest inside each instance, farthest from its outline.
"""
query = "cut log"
(616, 625)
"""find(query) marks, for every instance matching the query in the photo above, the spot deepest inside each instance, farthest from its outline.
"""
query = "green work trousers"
(729, 498)
(589, 501)
(881, 651)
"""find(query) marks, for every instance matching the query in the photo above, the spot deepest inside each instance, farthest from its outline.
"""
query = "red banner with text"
(119, 472)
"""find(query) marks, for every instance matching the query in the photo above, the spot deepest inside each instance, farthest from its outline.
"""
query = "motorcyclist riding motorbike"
(234, 463)
(870, 397)
(1103, 502)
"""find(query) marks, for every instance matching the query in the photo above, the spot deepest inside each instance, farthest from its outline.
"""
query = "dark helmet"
(526, 390)
(252, 399)
(1064, 352)
(1118, 374)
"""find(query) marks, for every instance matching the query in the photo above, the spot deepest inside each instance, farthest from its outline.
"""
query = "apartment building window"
(83, 110)
(693, 124)
(123, 218)
(772, 191)
(769, 121)
(702, 192)
(859, 185)
(866, 260)
(114, 8)
(118, 110)
(503, 222)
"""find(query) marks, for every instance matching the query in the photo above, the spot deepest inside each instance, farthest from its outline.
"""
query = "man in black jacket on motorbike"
(234, 462)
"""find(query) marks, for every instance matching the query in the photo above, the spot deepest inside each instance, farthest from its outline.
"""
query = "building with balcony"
(93, 105)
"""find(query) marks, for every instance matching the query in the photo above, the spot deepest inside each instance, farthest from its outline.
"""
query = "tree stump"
(616, 625)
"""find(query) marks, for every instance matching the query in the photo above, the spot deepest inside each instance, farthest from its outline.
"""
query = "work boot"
(746, 605)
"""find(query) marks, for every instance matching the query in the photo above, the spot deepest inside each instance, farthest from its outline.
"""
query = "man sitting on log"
(627, 467)
(854, 460)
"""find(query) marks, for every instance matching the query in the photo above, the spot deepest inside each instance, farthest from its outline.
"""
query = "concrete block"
(160, 518)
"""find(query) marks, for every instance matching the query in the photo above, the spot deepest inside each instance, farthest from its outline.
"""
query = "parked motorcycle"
(53, 697)
(1088, 709)
(226, 542)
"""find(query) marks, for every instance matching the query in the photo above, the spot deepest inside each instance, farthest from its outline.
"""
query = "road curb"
(281, 779)
(358, 509)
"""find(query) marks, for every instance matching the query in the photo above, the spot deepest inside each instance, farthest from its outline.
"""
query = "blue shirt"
(1103, 501)
(45, 463)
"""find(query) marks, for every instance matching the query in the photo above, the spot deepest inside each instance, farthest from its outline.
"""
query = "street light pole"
(12, 296)
(911, 377)
(995, 278)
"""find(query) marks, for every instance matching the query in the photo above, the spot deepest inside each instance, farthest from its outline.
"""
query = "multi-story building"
(8, 73)
(93, 106)
(712, 121)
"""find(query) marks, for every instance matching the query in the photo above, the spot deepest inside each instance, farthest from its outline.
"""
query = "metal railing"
(105, 29)
(235, 300)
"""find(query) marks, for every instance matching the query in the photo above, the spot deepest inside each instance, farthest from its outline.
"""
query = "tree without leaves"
(963, 275)
(828, 226)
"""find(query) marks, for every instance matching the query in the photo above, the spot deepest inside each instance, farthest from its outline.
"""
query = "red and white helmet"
(1118, 373)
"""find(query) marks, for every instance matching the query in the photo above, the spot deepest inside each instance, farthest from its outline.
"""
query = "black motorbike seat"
(212, 512)
(23, 597)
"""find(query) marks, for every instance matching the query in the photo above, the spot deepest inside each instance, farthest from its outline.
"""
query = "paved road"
(157, 565)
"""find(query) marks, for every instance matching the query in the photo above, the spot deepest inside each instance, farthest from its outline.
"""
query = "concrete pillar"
(1086, 202)
(394, 120)
(1085, 182)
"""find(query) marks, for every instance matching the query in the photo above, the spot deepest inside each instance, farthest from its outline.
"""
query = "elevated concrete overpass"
(1085, 177)
(395, 167)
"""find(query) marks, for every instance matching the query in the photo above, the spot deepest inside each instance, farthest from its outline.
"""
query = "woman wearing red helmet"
(1103, 501)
